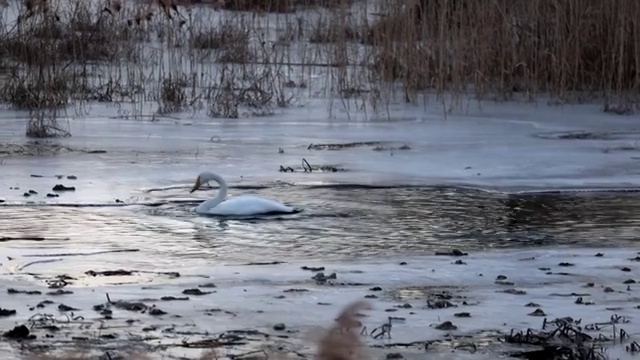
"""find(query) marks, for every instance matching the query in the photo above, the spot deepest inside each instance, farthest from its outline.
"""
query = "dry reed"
(67, 52)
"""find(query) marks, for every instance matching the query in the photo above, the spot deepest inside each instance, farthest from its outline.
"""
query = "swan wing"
(249, 205)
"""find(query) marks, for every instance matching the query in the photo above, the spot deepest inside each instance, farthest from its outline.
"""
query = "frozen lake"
(498, 182)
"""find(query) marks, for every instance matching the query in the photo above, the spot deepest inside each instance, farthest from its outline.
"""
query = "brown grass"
(569, 49)
(72, 51)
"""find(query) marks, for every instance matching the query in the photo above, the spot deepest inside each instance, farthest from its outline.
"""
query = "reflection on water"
(336, 222)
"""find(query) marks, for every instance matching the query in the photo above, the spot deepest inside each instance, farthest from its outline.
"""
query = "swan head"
(197, 185)
(203, 178)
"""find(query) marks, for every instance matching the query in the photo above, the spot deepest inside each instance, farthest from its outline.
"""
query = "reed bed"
(234, 58)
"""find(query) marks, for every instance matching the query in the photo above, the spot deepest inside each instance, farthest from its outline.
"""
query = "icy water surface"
(337, 222)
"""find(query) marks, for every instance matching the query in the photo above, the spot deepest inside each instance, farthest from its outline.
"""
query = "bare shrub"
(172, 95)
(44, 124)
(45, 91)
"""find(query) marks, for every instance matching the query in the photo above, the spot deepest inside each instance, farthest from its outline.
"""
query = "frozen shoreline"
(256, 297)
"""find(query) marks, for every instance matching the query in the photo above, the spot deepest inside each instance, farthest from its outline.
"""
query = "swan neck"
(220, 196)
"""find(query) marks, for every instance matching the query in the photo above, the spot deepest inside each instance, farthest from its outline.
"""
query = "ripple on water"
(336, 223)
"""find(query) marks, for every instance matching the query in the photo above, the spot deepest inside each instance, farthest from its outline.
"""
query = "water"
(338, 223)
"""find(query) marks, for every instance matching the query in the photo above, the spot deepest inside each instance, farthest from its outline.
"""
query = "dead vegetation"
(235, 63)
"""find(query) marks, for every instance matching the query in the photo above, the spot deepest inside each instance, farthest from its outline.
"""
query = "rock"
(391, 356)
(599, 255)
(462, 314)
(502, 282)
(376, 288)
(19, 332)
(321, 277)
(207, 285)
(195, 292)
(26, 292)
(565, 264)
(625, 269)
(514, 292)
(405, 306)
(26, 194)
(50, 195)
(6, 312)
(33, 192)
(155, 311)
(63, 307)
(72, 177)
(608, 290)
(313, 269)
(501, 277)
(403, 263)
(459, 262)
(59, 292)
(537, 312)
(452, 252)
(590, 284)
(279, 327)
(447, 325)
(532, 304)
(629, 281)
(173, 298)
(370, 296)
(44, 303)
(60, 187)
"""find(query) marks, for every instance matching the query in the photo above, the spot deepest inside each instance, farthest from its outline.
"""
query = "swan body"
(237, 206)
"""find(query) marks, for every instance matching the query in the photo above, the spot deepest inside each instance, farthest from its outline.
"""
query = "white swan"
(236, 206)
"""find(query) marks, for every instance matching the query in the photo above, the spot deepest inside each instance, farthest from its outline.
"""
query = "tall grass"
(237, 58)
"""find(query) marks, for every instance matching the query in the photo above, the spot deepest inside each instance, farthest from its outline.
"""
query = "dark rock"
(26, 292)
(60, 187)
(6, 312)
(608, 290)
(590, 284)
(452, 252)
(279, 327)
(33, 192)
(207, 285)
(565, 264)
(44, 303)
(459, 262)
(392, 356)
(544, 269)
(447, 325)
(59, 292)
(321, 277)
(532, 304)
(72, 177)
(439, 304)
(173, 298)
(314, 269)
(26, 194)
(155, 311)
(370, 296)
(119, 272)
(462, 314)
(63, 307)
(403, 263)
(501, 277)
(376, 288)
(405, 306)
(514, 292)
(537, 312)
(196, 292)
(503, 282)
(50, 195)
(629, 281)
(19, 332)
(599, 255)
(625, 269)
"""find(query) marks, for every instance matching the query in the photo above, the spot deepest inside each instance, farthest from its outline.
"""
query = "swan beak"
(196, 186)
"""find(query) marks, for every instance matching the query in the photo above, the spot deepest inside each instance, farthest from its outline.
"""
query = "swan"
(238, 205)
